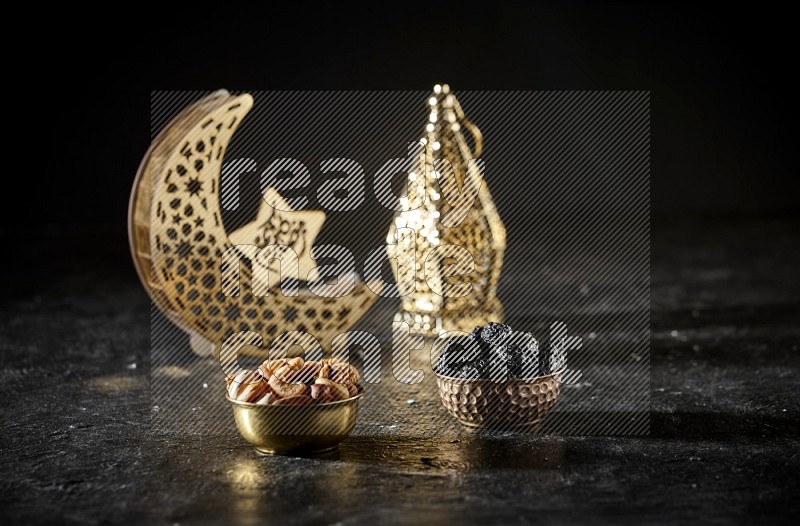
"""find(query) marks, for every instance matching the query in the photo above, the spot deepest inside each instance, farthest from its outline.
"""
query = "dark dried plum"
(492, 352)
(462, 349)
(527, 363)
(495, 333)
(498, 367)
(444, 367)
(482, 365)
(476, 333)
(469, 371)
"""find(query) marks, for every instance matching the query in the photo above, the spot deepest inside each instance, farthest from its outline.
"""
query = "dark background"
(725, 292)
(720, 96)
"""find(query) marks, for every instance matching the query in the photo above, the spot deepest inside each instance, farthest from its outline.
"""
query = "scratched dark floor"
(76, 443)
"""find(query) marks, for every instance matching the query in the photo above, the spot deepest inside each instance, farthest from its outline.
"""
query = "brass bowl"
(513, 403)
(289, 430)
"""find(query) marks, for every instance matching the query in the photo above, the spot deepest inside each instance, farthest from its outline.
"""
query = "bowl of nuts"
(495, 377)
(293, 406)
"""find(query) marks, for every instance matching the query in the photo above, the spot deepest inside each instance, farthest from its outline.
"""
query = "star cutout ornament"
(280, 225)
(194, 271)
(194, 186)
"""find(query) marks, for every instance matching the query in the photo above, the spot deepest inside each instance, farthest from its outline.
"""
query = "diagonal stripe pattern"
(570, 175)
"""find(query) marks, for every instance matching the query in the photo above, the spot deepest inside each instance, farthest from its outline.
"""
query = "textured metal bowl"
(292, 429)
(513, 403)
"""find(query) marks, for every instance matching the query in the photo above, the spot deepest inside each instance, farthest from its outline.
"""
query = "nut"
(247, 386)
(267, 399)
(295, 381)
(283, 372)
(325, 370)
(269, 366)
(345, 374)
(295, 363)
(305, 374)
(323, 393)
(339, 391)
(286, 389)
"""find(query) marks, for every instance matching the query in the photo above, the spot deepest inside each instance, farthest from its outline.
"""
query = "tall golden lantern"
(452, 208)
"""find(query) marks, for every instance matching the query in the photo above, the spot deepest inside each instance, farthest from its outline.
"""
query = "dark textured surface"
(76, 443)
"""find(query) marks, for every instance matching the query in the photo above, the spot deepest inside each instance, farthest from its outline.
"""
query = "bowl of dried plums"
(495, 377)
(293, 406)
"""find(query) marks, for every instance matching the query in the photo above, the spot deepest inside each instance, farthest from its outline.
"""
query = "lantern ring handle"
(477, 136)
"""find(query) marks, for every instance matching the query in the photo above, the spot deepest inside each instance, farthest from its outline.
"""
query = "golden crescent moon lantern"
(455, 209)
(178, 241)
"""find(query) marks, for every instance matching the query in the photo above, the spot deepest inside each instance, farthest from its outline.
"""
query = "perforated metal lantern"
(434, 213)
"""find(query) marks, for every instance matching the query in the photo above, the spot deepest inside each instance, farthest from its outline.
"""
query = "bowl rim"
(509, 380)
(323, 405)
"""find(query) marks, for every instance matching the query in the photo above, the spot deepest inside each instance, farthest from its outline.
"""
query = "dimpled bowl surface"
(517, 402)
(294, 430)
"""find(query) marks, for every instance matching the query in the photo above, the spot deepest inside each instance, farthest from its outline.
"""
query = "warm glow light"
(424, 304)
(425, 310)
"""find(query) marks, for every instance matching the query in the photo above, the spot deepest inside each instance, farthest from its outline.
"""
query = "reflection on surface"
(257, 484)
(114, 384)
(454, 454)
(368, 479)
(246, 475)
